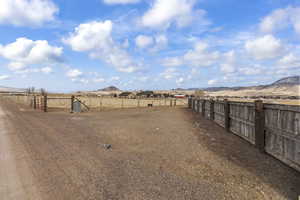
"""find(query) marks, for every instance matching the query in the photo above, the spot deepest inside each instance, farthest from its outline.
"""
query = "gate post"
(190, 102)
(45, 103)
(259, 124)
(198, 106)
(72, 103)
(34, 102)
(203, 108)
(212, 113)
(226, 115)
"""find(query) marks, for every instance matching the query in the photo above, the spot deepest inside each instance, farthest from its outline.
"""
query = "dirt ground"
(156, 153)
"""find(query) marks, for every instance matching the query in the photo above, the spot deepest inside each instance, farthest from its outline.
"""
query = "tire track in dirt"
(12, 186)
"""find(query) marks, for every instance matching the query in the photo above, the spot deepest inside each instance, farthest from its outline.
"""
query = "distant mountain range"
(287, 81)
(10, 89)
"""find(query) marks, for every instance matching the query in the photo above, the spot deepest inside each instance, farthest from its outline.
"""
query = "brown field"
(157, 153)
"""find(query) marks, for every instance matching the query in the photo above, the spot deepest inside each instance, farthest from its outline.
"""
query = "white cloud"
(253, 70)
(27, 12)
(4, 77)
(99, 80)
(161, 42)
(212, 82)
(172, 62)
(95, 37)
(46, 70)
(115, 78)
(280, 19)
(143, 41)
(169, 73)
(180, 81)
(120, 1)
(26, 51)
(199, 56)
(266, 47)
(165, 12)
(229, 65)
(16, 66)
(289, 61)
(74, 73)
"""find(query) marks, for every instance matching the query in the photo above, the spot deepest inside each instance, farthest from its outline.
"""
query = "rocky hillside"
(292, 80)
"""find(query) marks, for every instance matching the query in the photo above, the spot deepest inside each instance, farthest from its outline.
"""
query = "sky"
(68, 45)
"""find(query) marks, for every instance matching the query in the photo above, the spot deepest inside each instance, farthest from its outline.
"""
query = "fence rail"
(48, 103)
(272, 128)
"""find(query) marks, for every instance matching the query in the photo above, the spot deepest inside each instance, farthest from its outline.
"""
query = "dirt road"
(156, 153)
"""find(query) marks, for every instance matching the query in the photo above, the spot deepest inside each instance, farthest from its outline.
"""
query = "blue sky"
(67, 45)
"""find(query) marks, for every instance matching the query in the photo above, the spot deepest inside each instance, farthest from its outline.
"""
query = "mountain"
(110, 88)
(10, 89)
(288, 86)
(291, 80)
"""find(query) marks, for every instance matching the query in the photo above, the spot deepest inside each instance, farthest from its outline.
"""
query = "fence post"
(72, 103)
(34, 102)
(190, 102)
(171, 102)
(45, 103)
(259, 124)
(226, 115)
(203, 108)
(212, 113)
(175, 102)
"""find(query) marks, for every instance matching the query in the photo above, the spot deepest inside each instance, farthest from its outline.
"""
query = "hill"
(110, 88)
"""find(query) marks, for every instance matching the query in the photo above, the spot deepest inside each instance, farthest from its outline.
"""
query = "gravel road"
(134, 154)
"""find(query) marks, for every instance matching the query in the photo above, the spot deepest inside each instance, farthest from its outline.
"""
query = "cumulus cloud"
(253, 70)
(165, 12)
(280, 19)
(212, 82)
(289, 61)
(229, 62)
(266, 47)
(4, 77)
(170, 73)
(172, 62)
(74, 73)
(26, 51)
(46, 70)
(95, 37)
(27, 12)
(180, 81)
(199, 56)
(143, 41)
(161, 42)
(120, 1)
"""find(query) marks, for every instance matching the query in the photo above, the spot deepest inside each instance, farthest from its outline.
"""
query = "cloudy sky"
(67, 45)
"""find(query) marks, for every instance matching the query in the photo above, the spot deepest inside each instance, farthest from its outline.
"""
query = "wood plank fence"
(272, 128)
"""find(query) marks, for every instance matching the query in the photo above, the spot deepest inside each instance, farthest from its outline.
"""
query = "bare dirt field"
(156, 153)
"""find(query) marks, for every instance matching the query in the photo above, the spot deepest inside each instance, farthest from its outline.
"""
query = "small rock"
(107, 146)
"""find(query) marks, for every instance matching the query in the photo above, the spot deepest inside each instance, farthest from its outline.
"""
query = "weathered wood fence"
(56, 102)
(272, 128)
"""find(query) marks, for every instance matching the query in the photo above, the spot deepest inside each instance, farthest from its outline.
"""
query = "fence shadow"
(231, 147)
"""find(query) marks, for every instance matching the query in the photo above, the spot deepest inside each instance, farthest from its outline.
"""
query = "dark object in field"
(150, 105)
(107, 146)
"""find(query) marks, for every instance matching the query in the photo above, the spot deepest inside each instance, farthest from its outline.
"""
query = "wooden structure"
(272, 128)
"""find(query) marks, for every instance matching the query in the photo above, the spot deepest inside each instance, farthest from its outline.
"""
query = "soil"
(147, 153)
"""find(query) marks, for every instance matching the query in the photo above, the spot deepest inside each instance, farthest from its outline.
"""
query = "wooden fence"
(50, 102)
(272, 128)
